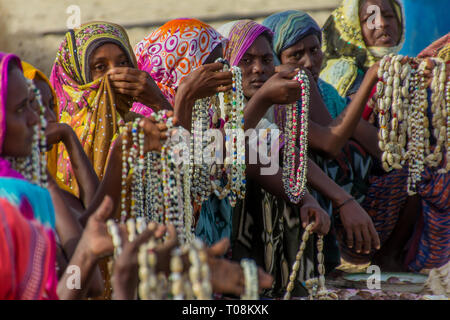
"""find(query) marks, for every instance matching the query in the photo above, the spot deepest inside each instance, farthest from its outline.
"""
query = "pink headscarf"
(5, 60)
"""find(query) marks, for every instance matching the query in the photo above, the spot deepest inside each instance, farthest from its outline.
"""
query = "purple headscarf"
(5, 60)
(241, 37)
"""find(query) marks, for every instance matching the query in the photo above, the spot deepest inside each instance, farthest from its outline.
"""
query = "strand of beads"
(251, 279)
(238, 181)
(199, 271)
(123, 192)
(176, 267)
(438, 110)
(294, 179)
(418, 131)
(34, 167)
(298, 257)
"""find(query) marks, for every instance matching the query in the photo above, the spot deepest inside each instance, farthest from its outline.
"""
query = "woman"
(178, 56)
(94, 104)
(385, 213)
(266, 226)
(352, 42)
(26, 210)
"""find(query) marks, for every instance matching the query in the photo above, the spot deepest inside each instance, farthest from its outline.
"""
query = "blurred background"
(33, 29)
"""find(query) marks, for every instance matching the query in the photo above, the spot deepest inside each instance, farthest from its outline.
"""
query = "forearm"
(344, 125)
(183, 107)
(84, 263)
(68, 228)
(110, 185)
(367, 135)
(87, 179)
(319, 181)
(255, 109)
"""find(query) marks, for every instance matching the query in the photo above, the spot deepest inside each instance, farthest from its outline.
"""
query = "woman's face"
(387, 33)
(105, 58)
(256, 66)
(20, 117)
(47, 99)
(306, 53)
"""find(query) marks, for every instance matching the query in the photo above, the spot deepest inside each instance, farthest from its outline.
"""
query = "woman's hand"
(313, 212)
(139, 85)
(359, 228)
(155, 133)
(281, 89)
(56, 132)
(95, 237)
(206, 81)
(227, 276)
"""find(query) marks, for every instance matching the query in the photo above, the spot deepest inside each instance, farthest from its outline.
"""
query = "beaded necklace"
(294, 179)
(402, 95)
(315, 286)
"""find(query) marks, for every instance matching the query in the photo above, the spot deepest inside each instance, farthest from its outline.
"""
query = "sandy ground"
(23, 22)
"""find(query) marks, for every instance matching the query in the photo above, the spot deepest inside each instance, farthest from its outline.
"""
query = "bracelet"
(344, 203)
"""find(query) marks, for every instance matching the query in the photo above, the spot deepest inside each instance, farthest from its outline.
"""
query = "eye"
(124, 63)
(315, 50)
(245, 60)
(99, 67)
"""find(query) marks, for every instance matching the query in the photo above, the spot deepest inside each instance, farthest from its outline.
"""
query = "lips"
(258, 82)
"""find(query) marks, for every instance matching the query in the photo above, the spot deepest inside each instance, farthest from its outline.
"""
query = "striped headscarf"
(173, 51)
(288, 28)
(241, 35)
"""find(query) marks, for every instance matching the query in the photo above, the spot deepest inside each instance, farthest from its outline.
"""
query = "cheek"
(16, 138)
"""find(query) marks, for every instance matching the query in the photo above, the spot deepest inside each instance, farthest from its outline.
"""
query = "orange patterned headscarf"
(174, 50)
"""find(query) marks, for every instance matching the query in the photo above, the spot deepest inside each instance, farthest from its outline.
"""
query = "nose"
(307, 61)
(258, 66)
(384, 24)
(49, 115)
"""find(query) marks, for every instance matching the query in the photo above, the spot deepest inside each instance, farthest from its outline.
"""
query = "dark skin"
(20, 119)
(328, 136)
(389, 32)
(226, 276)
(67, 206)
(61, 132)
(360, 231)
(111, 59)
(259, 80)
(20, 116)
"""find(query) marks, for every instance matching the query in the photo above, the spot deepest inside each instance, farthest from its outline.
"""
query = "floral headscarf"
(5, 60)
(174, 50)
(345, 52)
(91, 108)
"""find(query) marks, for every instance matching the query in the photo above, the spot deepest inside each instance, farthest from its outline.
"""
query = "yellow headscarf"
(30, 72)
(345, 52)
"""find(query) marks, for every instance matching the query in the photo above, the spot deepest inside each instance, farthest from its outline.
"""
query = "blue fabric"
(16, 191)
(215, 220)
(333, 101)
(288, 28)
(426, 21)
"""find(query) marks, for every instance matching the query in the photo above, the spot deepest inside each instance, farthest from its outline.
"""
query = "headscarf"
(5, 60)
(241, 34)
(173, 51)
(91, 108)
(345, 52)
(288, 28)
(30, 72)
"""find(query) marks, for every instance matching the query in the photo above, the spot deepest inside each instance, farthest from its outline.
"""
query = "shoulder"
(340, 73)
